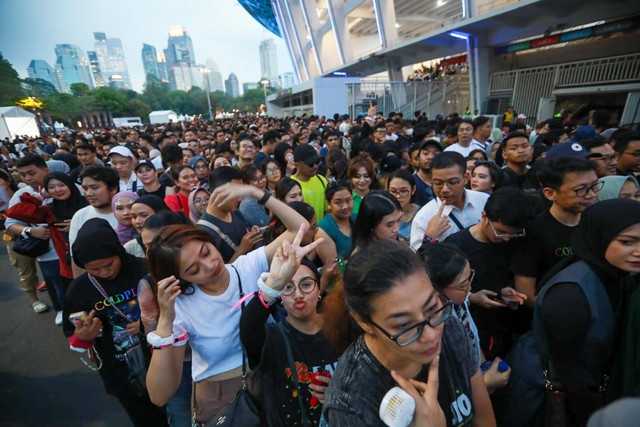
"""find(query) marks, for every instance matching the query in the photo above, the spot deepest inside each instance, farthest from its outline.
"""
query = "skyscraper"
(94, 64)
(287, 80)
(269, 62)
(162, 67)
(111, 60)
(72, 66)
(40, 69)
(180, 57)
(150, 61)
(232, 86)
(215, 78)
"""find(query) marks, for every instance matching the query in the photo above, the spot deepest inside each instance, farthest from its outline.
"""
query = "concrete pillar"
(385, 15)
(478, 58)
(398, 91)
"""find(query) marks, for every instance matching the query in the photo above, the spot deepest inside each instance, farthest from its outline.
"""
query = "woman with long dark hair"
(378, 219)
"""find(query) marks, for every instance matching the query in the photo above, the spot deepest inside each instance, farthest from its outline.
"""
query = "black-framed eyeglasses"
(635, 154)
(604, 157)
(316, 163)
(412, 333)
(306, 286)
(595, 187)
(521, 233)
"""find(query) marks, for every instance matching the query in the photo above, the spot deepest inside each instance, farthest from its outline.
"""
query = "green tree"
(10, 88)
(62, 107)
(79, 89)
(138, 108)
(156, 93)
(109, 99)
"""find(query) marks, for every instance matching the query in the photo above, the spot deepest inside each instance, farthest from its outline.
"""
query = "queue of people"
(309, 265)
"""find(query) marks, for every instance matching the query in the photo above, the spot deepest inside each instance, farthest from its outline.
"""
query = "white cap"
(154, 153)
(123, 151)
(521, 116)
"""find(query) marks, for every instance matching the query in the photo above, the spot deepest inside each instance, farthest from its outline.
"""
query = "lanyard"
(100, 289)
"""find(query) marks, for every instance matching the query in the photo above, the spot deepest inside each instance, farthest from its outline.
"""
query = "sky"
(220, 29)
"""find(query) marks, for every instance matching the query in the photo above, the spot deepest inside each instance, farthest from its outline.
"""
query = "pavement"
(42, 382)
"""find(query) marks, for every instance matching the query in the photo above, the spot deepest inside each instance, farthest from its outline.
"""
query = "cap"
(568, 149)
(123, 151)
(305, 153)
(145, 162)
(583, 133)
(607, 133)
(430, 143)
(154, 153)
(521, 116)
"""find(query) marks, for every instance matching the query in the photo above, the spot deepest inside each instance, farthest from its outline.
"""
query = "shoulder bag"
(32, 246)
(242, 411)
(135, 357)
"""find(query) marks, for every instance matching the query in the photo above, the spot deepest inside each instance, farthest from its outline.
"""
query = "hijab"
(599, 225)
(58, 166)
(96, 240)
(154, 202)
(194, 161)
(613, 185)
(124, 232)
(194, 215)
(65, 209)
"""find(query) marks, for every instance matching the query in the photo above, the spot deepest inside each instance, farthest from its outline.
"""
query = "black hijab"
(154, 202)
(96, 240)
(599, 225)
(65, 209)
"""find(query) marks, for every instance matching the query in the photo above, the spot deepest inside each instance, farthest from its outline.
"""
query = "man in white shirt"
(465, 135)
(124, 162)
(455, 207)
(99, 186)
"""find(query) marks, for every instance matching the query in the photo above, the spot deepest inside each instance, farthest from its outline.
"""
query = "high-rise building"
(111, 60)
(215, 78)
(180, 57)
(287, 80)
(40, 69)
(72, 66)
(94, 64)
(162, 67)
(232, 86)
(249, 86)
(269, 61)
(150, 61)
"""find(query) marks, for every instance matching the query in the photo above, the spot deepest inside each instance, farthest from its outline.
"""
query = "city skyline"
(227, 31)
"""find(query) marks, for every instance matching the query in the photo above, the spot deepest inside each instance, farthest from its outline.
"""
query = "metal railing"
(443, 96)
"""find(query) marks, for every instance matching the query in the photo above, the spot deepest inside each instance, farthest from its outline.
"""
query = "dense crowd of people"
(294, 271)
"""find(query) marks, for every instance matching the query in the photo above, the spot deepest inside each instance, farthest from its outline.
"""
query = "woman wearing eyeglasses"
(402, 186)
(409, 339)
(253, 212)
(450, 271)
(272, 172)
(266, 349)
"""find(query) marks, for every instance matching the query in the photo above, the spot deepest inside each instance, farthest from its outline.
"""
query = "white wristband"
(265, 289)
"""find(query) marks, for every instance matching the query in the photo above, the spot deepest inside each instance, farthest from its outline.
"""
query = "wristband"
(266, 304)
(265, 289)
(79, 343)
(431, 240)
(157, 342)
(26, 232)
(265, 197)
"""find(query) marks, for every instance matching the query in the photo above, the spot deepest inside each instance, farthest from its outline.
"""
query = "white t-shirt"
(470, 214)
(462, 150)
(214, 330)
(84, 215)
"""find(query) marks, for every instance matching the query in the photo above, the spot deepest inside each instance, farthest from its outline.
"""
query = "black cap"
(305, 153)
(145, 162)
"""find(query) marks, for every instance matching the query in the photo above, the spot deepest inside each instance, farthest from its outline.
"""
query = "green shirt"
(313, 193)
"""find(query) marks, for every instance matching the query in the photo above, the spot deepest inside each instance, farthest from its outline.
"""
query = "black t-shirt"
(512, 179)
(115, 341)
(361, 381)
(548, 243)
(491, 263)
(160, 192)
(235, 229)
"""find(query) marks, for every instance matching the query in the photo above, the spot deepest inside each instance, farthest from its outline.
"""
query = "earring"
(319, 297)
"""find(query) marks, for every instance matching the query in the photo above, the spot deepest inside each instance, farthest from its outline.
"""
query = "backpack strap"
(219, 232)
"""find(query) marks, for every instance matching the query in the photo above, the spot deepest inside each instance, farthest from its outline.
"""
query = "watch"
(265, 197)
(26, 232)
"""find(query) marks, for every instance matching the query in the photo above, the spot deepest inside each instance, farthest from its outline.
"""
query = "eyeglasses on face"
(258, 179)
(521, 233)
(273, 171)
(605, 158)
(316, 163)
(306, 286)
(466, 283)
(595, 187)
(399, 192)
(635, 154)
(412, 333)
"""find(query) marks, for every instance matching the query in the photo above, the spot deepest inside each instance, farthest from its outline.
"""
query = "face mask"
(409, 132)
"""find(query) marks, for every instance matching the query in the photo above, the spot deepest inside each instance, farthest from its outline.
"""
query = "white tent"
(163, 116)
(15, 121)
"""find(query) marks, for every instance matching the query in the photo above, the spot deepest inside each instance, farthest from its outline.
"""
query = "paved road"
(42, 382)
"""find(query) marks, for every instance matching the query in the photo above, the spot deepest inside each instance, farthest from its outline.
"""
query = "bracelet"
(265, 289)
(266, 304)
(157, 342)
(431, 240)
(26, 232)
(265, 197)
